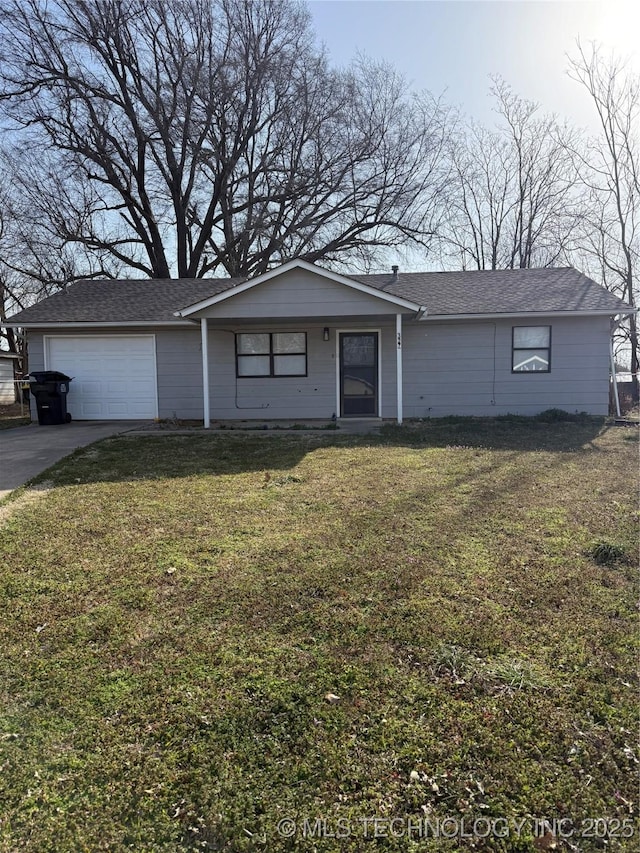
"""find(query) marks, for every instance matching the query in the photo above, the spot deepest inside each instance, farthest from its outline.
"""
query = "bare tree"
(610, 169)
(34, 261)
(193, 137)
(511, 200)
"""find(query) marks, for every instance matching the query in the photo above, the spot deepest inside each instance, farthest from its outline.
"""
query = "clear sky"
(452, 46)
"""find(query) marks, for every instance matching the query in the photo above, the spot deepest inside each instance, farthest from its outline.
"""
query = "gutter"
(611, 312)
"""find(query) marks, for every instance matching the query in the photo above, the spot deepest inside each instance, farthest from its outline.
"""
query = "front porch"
(334, 370)
(302, 342)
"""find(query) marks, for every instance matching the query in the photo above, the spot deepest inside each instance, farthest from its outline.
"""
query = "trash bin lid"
(49, 376)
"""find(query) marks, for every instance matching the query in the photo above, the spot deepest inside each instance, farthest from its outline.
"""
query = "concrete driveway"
(28, 450)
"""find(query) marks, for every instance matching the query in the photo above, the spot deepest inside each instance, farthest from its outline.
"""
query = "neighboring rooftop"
(442, 293)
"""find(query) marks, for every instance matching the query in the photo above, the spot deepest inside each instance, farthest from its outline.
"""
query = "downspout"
(614, 324)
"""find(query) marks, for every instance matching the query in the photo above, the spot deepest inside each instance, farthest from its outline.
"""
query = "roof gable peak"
(290, 266)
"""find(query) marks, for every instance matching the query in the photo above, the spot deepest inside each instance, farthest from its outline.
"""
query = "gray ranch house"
(301, 342)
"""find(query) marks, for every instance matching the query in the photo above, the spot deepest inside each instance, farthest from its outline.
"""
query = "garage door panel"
(138, 387)
(139, 410)
(117, 410)
(114, 376)
(87, 389)
(89, 410)
(138, 347)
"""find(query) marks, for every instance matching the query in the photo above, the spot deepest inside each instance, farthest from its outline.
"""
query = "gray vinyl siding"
(298, 293)
(179, 370)
(449, 368)
(311, 396)
(36, 350)
(388, 371)
(460, 368)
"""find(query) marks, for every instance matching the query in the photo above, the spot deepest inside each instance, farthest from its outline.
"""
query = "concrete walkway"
(346, 426)
(28, 450)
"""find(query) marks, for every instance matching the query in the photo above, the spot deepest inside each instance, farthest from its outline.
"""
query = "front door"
(358, 374)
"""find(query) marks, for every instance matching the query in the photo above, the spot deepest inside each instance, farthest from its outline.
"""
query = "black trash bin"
(50, 388)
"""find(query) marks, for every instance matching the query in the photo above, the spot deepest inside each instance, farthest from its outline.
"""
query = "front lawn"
(425, 640)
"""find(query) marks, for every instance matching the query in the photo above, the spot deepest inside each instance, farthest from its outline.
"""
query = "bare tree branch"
(511, 203)
(210, 136)
(611, 227)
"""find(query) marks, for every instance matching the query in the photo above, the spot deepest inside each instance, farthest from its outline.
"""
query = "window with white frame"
(264, 354)
(531, 349)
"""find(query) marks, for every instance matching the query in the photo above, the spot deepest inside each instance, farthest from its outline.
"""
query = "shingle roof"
(133, 300)
(499, 291)
(442, 293)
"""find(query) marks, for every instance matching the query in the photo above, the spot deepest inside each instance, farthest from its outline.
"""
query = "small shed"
(7, 376)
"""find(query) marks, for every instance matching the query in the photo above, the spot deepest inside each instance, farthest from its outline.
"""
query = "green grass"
(177, 608)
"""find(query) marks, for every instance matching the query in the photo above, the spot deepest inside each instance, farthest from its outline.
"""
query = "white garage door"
(114, 376)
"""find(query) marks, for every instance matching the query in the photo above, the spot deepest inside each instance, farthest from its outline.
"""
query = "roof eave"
(91, 324)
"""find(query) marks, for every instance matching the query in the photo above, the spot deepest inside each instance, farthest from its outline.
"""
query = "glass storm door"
(358, 374)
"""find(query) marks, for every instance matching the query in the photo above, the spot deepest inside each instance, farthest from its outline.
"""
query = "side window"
(531, 349)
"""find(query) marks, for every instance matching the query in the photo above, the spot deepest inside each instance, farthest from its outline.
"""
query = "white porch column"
(204, 331)
(399, 367)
